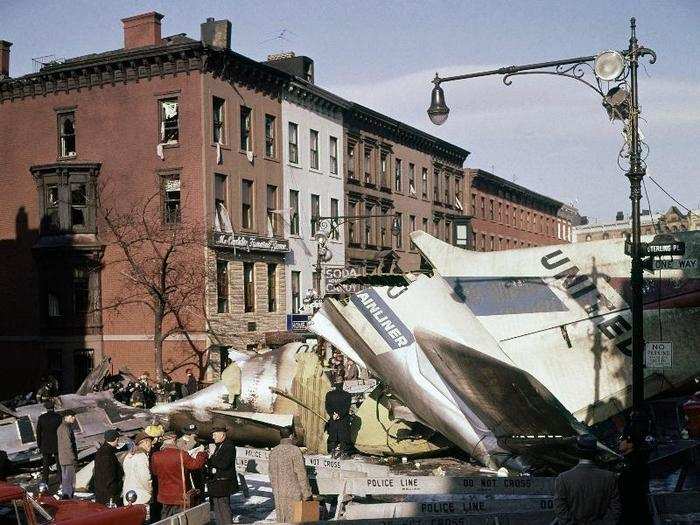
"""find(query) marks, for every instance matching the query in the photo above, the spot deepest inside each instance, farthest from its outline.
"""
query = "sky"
(549, 134)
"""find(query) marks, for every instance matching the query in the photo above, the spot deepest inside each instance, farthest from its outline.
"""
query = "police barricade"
(523, 518)
(199, 515)
(398, 485)
(256, 460)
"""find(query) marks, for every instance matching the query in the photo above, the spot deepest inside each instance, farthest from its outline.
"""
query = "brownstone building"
(505, 215)
(187, 120)
(396, 170)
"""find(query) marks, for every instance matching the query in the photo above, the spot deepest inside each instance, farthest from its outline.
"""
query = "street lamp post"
(622, 103)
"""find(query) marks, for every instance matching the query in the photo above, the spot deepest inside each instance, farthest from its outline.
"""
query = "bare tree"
(159, 254)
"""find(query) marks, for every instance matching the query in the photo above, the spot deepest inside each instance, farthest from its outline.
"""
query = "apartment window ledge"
(224, 147)
(316, 170)
(293, 165)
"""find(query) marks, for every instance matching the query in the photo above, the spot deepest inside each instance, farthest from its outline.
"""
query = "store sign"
(658, 355)
(250, 243)
(334, 275)
(298, 322)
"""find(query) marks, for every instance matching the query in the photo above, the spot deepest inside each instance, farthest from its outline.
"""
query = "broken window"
(271, 210)
(248, 287)
(351, 161)
(398, 183)
(169, 121)
(246, 127)
(171, 199)
(78, 205)
(399, 236)
(53, 222)
(313, 149)
(333, 148)
(368, 166)
(411, 179)
(81, 290)
(315, 213)
(247, 204)
(218, 119)
(222, 286)
(222, 219)
(384, 169)
(270, 136)
(271, 287)
(66, 132)
(296, 292)
(293, 143)
(293, 212)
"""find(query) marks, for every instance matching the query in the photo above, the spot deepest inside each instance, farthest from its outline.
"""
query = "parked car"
(19, 508)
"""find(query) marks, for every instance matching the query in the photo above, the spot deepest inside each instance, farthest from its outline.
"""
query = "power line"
(671, 196)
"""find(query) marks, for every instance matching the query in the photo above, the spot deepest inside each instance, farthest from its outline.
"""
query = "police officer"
(338, 403)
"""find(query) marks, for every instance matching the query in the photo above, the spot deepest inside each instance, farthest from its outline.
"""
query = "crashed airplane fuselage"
(520, 342)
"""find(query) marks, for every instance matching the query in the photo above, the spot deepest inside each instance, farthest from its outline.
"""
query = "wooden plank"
(393, 485)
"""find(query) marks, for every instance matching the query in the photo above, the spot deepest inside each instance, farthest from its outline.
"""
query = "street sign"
(298, 322)
(671, 248)
(674, 264)
(658, 355)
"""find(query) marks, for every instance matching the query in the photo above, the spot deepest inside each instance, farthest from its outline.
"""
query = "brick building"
(175, 117)
(505, 215)
(396, 170)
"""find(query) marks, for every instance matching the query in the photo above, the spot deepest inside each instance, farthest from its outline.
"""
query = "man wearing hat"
(586, 493)
(137, 471)
(108, 471)
(46, 438)
(171, 466)
(222, 478)
(67, 453)
(188, 441)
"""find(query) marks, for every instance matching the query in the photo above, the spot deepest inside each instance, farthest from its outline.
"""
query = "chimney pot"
(142, 30)
(5, 58)
(216, 33)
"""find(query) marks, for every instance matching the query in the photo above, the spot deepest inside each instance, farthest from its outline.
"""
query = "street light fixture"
(622, 103)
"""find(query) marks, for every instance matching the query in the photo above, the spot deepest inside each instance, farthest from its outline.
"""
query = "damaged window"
(222, 219)
(247, 204)
(169, 121)
(66, 132)
(53, 222)
(246, 126)
(271, 210)
(81, 291)
(78, 204)
(218, 116)
(270, 136)
(171, 200)
(424, 180)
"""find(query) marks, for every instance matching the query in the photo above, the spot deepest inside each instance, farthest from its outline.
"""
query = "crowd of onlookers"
(164, 471)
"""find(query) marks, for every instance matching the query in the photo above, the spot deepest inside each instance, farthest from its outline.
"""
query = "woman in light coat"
(137, 471)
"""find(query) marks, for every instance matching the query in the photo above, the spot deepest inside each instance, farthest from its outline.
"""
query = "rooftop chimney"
(142, 30)
(216, 33)
(5, 58)
(299, 66)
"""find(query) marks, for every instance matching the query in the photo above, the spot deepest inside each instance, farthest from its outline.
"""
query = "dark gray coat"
(586, 495)
(67, 450)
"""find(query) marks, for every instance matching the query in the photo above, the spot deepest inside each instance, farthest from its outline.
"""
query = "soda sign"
(658, 355)
(334, 275)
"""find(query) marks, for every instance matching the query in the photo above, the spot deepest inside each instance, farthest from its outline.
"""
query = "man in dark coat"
(338, 403)
(47, 440)
(634, 481)
(191, 384)
(67, 454)
(222, 478)
(586, 493)
(108, 471)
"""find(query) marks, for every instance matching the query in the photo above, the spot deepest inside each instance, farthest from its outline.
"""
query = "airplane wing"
(509, 400)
